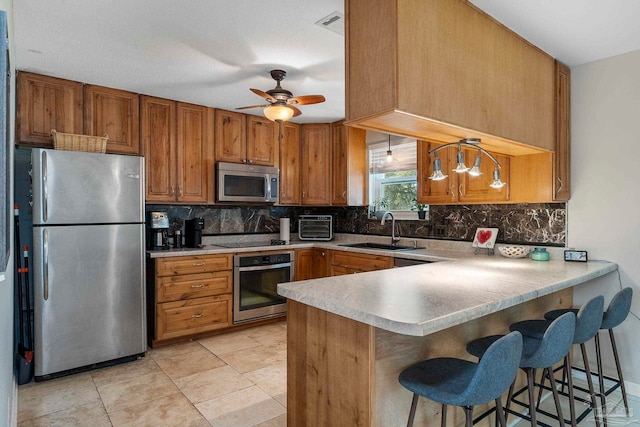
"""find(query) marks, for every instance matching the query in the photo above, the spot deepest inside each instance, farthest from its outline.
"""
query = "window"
(392, 181)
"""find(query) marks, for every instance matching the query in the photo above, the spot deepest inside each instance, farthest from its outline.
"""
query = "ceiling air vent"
(333, 22)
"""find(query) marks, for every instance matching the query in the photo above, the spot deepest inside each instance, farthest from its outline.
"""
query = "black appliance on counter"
(157, 231)
(193, 232)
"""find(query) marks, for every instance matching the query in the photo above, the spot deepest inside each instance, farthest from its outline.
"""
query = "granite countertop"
(423, 299)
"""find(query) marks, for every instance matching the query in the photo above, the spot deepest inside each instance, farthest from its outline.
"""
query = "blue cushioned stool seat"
(451, 381)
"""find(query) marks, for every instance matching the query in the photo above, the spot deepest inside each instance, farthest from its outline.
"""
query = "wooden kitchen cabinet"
(315, 175)
(349, 175)
(177, 139)
(290, 165)
(189, 295)
(460, 188)
(562, 153)
(311, 263)
(45, 103)
(349, 262)
(242, 138)
(444, 70)
(115, 113)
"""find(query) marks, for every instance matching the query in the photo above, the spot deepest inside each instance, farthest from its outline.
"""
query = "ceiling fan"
(282, 103)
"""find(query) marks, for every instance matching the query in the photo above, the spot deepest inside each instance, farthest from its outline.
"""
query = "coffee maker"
(193, 232)
(157, 231)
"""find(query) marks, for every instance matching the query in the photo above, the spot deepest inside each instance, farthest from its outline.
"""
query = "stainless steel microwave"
(237, 182)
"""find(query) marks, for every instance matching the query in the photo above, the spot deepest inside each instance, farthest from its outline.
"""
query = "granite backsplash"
(543, 224)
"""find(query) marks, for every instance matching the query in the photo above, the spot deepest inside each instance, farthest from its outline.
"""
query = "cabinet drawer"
(175, 288)
(174, 266)
(177, 319)
(360, 261)
(337, 270)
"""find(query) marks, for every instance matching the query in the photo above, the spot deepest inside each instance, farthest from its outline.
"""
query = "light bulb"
(497, 183)
(461, 167)
(278, 112)
(475, 170)
(437, 174)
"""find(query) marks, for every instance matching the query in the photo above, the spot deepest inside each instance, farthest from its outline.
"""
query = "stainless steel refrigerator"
(88, 256)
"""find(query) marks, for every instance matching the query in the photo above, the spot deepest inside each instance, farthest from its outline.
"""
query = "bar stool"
(616, 313)
(458, 382)
(542, 352)
(588, 321)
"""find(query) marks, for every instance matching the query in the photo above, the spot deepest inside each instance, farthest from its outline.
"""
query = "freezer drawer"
(89, 295)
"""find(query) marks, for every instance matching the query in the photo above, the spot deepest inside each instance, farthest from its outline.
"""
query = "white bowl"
(514, 251)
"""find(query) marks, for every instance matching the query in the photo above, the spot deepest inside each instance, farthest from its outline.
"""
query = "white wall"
(8, 389)
(603, 215)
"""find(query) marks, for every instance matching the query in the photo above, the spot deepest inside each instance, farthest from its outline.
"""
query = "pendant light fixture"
(437, 174)
(389, 152)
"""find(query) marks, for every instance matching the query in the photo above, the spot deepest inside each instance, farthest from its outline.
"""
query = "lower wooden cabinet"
(188, 295)
(311, 264)
(349, 263)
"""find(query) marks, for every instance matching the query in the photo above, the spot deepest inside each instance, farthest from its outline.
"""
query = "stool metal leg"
(572, 403)
(500, 413)
(468, 413)
(443, 417)
(532, 406)
(603, 392)
(619, 369)
(594, 402)
(556, 397)
(412, 412)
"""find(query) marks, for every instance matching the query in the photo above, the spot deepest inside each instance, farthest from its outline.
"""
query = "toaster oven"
(315, 227)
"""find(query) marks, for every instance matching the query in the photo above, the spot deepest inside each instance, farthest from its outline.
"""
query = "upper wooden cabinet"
(349, 165)
(315, 175)
(242, 138)
(444, 70)
(562, 153)
(115, 113)
(178, 148)
(290, 165)
(460, 188)
(46, 103)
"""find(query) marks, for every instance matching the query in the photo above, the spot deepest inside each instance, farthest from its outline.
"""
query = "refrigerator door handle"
(45, 264)
(44, 186)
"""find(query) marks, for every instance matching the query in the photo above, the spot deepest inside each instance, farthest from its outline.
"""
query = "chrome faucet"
(394, 239)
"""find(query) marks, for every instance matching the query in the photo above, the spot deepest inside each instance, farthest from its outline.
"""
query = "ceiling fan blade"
(253, 106)
(263, 95)
(296, 112)
(306, 99)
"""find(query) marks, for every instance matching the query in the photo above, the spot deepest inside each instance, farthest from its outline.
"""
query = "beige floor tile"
(255, 358)
(272, 379)
(282, 399)
(174, 350)
(228, 343)
(269, 335)
(91, 415)
(38, 399)
(134, 391)
(212, 383)
(173, 410)
(246, 407)
(191, 363)
(279, 421)
(125, 371)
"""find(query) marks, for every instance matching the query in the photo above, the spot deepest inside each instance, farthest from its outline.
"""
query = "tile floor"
(236, 379)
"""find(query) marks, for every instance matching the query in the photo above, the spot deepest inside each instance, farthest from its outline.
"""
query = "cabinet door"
(435, 192)
(562, 155)
(475, 189)
(290, 165)
(158, 130)
(45, 103)
(303, 269)
(115, 113)
(321, 262)
(262, 137)
(192, 316)
(194, 154)
(339, 157)
(230, 141)
(316, 164)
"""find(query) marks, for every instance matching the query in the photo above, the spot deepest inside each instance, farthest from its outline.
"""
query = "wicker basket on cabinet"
(74, 142)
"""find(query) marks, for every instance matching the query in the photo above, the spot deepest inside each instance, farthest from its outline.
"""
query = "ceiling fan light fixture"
(278, 112)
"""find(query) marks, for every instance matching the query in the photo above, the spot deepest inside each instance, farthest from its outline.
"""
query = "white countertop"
(423, 299)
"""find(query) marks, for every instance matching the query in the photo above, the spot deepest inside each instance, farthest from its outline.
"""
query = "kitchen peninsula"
(350, 336)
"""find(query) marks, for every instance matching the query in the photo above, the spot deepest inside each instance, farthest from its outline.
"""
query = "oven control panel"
(255, 260)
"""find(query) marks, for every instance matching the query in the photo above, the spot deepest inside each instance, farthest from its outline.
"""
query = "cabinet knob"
(198, 264)
(561, 185)
(250, 161)
(172, 191)
(201, 285)
(197, 316)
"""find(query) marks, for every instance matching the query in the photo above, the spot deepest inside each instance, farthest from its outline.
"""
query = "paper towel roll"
(284, 229)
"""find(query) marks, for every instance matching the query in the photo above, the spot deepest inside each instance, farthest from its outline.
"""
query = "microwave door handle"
(267, 186)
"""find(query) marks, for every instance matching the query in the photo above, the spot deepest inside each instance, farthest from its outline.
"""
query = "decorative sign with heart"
(485, 238)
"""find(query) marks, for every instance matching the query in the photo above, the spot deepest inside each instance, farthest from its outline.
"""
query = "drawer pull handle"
(198, 264)
(197, 316)
(201, 285)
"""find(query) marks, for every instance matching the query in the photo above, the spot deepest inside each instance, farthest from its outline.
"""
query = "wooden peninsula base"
(342, 372)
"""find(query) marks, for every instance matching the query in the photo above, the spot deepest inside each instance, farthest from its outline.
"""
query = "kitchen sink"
(382, 246)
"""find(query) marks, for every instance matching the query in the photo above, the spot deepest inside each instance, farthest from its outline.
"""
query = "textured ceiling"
(210, 52)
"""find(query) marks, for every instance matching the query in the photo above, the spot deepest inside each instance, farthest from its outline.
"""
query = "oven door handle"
(265, 267)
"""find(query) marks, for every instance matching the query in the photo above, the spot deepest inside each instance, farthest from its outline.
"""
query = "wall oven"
(236, 182)
(255, 280)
